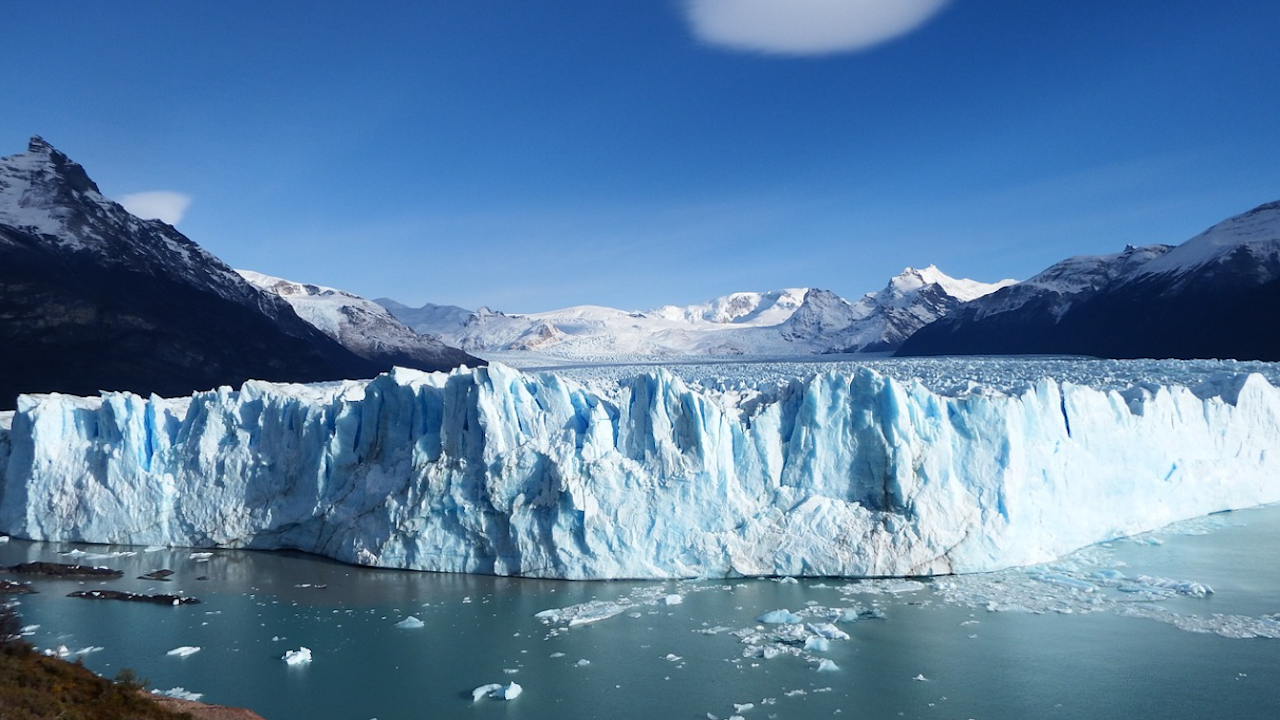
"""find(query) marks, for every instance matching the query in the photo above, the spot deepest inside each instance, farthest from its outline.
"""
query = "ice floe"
(497, 691)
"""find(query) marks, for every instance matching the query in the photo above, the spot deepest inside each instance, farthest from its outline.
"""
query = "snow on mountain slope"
(445, 318)
(92, 297)
(361, 325)
(1210, 297)
(794, 321)
(1256, 234)
(495, 471)
(45, 194)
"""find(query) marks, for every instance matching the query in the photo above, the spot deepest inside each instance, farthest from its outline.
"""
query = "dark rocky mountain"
(1215, 296)
(93, 298)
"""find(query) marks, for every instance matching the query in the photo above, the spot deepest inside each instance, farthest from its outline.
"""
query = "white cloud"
(806, 27)
(157, 205)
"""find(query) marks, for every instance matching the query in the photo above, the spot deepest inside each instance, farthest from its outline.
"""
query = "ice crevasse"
(491, 470)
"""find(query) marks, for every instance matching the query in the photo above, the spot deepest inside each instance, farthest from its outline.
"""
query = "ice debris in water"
(301, 656)
(184, 651)
(778, 617)
(497, 691)
(180, 693)
(1085, 582)
(673, 599)
(410, 622)
(62, 651)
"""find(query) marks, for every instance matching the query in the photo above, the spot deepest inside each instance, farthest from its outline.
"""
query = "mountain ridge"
(1213, 296)
(93, 298)
(770, 323)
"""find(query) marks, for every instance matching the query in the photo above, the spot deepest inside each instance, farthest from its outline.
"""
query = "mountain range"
(779, 323)
(93, 298)
(1216, 295)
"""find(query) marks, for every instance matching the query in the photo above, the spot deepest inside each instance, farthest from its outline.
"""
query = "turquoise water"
(1021, 644)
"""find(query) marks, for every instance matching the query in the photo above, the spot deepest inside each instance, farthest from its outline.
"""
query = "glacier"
(491, 470)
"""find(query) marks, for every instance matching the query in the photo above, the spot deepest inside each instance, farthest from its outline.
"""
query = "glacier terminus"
(856, 471)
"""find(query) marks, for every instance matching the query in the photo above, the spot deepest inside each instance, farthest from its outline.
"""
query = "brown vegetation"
(37, 687)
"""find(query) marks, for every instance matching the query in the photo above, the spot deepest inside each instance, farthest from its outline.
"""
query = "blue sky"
(633, 153)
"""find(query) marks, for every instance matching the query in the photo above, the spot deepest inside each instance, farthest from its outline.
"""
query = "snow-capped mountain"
(1215, 295)
(93, 298)
(362, 326)
(794, 321)
(881, 321)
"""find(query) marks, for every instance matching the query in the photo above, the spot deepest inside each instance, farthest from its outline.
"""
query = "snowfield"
(886, 468)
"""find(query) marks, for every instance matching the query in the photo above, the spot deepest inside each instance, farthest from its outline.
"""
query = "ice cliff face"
(494, 471)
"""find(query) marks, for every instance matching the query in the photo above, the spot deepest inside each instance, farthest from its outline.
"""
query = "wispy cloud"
(806, 27)
(163, 205)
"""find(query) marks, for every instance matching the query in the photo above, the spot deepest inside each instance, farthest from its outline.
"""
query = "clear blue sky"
(533, 155)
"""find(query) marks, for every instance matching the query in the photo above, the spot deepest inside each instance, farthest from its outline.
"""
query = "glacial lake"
(1120, 630)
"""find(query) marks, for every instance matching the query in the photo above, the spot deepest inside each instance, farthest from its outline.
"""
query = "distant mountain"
(362, 326)
(775, 323)
(93, 298)
(1215, 296)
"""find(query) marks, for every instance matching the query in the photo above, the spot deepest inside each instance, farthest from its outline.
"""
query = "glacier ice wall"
(494, 471)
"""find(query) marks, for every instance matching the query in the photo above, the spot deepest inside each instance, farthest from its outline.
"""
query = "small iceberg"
(778, 617)
(497, 691)
(180, 693)
(301, 656)
(184, 651)
(411, 622)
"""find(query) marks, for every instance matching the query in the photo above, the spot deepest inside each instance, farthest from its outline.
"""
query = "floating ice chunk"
(920, 678)
(1066, 581)
(583, 662)
(180, 693)
(786, 580)
(301, 656)
(743, 707)
(184, 651)
(827, 666)
(410, 622)
(4, 539)
(673, 657)
(673, 599)
(905, 586)
(817, 644)
(584, 613)
(778, 617)
(828, 631)
(1182, 587)
(557, 654)
(201, 556)
(497, 691)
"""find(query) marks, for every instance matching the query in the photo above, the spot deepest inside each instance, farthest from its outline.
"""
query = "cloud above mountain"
(164, 205)
(806, 27)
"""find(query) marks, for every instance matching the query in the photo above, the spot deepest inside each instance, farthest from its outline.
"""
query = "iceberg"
(491, 470)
